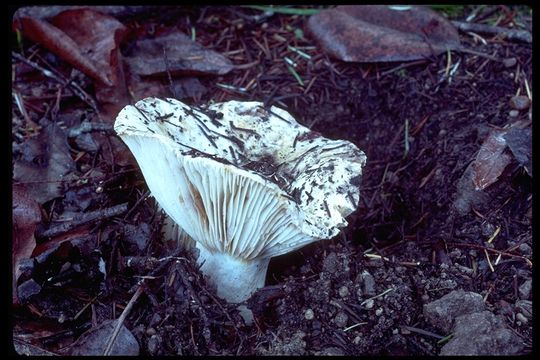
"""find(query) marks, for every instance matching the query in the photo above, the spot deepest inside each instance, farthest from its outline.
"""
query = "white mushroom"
(245, 182)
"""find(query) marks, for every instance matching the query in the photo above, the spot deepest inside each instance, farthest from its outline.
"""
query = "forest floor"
(421, 231)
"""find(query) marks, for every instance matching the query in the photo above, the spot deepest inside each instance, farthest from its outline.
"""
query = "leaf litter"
(376, 33)
(26, 217)
(77, 258)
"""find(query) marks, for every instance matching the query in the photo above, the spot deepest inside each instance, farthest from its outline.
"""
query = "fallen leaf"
(491, 160)
(26, 216)
(184, 87)
(519, 141)
(184, 57)
(59, 44)
(24, 348)
(373, 33)
(97, 36)
(94, 341)
(44, 164)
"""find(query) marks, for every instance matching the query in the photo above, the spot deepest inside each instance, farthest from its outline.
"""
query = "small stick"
(495, 233)
(353, 326)
(141, 199)
(489, 261)
(81, 94)
(511, 34)
(87, 126)
(84, 219)
(121, 320)
(422, 332)
(171, 85)
(377, 296)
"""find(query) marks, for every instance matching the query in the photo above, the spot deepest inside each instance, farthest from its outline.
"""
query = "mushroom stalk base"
(235, 279)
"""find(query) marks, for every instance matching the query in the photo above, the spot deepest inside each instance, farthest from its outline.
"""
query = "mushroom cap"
(240, 178)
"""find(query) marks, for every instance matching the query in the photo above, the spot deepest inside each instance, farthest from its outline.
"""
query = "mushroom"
(244, 181)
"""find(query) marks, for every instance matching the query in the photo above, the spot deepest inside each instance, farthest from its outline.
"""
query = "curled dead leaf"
(373, 33)
(26, 216)
(491, 160)
(45, 163)
(184, 57)
(58, 43)
(97, 35)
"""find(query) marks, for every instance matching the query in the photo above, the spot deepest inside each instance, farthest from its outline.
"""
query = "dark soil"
(360, 293)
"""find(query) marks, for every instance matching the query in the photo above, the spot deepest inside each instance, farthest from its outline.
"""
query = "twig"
(503, 253)
(495, 233)
(84, 219)
(353, 326)
(81, 94)
(121, 320)
(377, 296)
(171, 85)
(422, 332)
(87, 126)
(510, 34)
(488, 260)
(477, 53)
(141, 199)
(403, 66)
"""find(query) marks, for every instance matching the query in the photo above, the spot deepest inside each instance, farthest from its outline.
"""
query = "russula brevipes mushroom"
(246, 182)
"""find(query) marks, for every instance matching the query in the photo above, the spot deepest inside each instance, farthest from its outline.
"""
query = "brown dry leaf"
(97, 35)
(184, 87)
(26, 216)
(58, 43)
(373, 33)
(184, 57)
(94, 341)
(491, 160)
(44, 164)
(519, 141)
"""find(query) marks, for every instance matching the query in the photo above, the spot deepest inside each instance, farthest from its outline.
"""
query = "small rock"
(151, 331)
(525, 290)
(331, 351)
(513, 113)
(375, 263)
(309, 315)
(330, 263)
(482, 333)
(341, 319)
(465, 270)
(442, 312)
(369, 304)
(154, 344)
(525, 249)
(505, 308)
(368, 283)
(343, 291)
(525, 307)
(156, 318)
(28, 289)
(520, 102)
(379, 311)
(509, 62)
(521, 318)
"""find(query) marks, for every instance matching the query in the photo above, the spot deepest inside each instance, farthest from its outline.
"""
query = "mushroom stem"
(235, 279)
